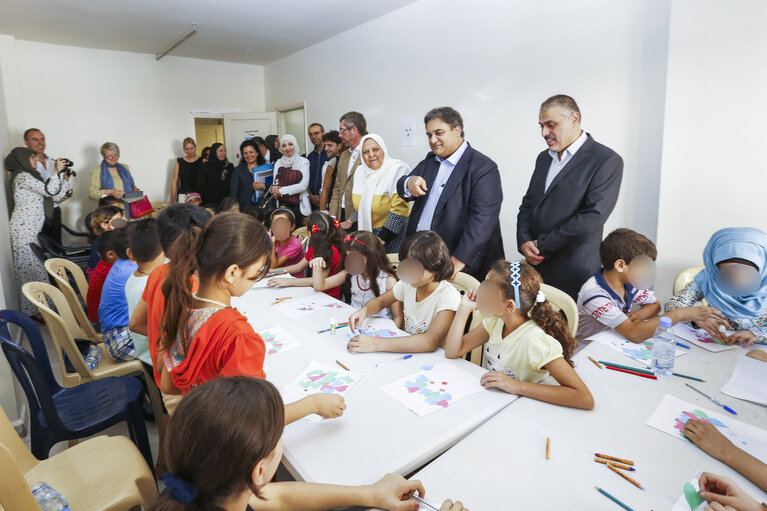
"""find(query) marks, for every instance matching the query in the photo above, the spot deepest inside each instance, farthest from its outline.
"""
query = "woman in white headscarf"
(291, 180)
(378, 207)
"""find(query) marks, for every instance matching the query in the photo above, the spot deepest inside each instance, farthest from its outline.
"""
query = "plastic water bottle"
(93, 357)
(663, 349)
(48, 498)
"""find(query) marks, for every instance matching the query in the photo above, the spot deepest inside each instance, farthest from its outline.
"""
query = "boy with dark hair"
(113, 307)
(146, 251)
(605, 301)
(108, 254)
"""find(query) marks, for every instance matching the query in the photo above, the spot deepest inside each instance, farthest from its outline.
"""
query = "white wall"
(713, 171)
(8, 394)
(495, 61)
(83, 97)
(8, 109)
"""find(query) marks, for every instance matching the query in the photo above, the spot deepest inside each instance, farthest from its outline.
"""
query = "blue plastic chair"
(57, 413)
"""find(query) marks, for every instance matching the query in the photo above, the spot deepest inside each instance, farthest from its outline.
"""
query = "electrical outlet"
(408, 131)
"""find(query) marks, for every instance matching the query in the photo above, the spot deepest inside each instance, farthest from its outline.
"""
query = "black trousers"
(52, 226)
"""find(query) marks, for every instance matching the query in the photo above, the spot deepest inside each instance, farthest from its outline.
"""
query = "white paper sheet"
(749, 380)
(672, 413)
(379, 327)
(689, 497)
(641, 352)
(433, 388)
(320, 378)
(699, 337)
(308, 305)
(277, 340)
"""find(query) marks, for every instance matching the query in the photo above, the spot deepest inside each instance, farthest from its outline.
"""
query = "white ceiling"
(247, 31)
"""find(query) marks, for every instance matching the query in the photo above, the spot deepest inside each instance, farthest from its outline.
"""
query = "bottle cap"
(665, 322)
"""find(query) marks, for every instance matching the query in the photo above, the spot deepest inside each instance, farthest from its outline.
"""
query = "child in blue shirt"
(113, 309)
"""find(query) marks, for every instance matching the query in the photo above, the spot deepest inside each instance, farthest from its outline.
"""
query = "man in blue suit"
(456, 192)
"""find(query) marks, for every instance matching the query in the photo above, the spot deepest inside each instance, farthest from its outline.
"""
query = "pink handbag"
(139, 208)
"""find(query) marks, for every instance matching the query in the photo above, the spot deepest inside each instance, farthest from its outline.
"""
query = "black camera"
(68, 164)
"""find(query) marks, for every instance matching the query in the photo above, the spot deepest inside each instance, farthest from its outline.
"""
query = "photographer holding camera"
(31, 191)
(35, 139)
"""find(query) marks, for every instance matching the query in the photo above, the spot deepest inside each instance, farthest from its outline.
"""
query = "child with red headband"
(325, 254)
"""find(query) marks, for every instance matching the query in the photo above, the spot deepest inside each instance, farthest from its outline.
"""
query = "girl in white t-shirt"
(524, 338)
(429, 302)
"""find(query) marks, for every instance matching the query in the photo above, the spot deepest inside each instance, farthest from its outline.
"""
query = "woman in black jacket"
(243, 185)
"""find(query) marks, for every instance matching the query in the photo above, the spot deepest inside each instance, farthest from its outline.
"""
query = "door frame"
(208, 114)
(281, 121)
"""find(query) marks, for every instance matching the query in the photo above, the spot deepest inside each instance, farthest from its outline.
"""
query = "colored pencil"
(596, 363)
(621, 504)
(682, 345)
(626, 477)
(713, 399)
(404, 357)
(635, 369)
(615, 464)
(635, 373)
(340, 325)
(280, 300)
(339, 363)
(613, 458)
(648, 372)
(419, 499)
(688, 377)
(548, 447)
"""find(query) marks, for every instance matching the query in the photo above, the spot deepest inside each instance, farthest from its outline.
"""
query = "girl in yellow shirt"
(524, 338)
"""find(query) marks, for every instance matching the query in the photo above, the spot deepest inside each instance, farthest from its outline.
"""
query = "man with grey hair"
(352, 128)
(572, 192)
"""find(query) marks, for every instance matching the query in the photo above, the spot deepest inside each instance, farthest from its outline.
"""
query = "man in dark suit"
(457, 193)
(573, 190)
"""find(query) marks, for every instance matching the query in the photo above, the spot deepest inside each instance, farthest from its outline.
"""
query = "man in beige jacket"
(351, 130)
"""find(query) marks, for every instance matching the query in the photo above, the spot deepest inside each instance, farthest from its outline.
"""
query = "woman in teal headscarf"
(733, 281)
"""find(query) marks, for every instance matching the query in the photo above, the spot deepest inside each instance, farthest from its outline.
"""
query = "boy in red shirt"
(108, 257)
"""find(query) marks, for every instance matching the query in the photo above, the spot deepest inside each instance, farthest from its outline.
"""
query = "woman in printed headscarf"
(733, 281)
(215, 177)
(378, 207)
(30, 193)
(291, 180)
(111, 177)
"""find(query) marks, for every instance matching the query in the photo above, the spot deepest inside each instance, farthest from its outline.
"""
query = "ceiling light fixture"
(189, 34)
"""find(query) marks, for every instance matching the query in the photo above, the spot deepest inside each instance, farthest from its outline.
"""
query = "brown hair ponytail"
(177, 287)
(229, 238)
(544, 315)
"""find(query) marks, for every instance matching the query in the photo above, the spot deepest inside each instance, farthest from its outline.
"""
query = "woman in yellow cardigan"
(110, 178)
(377, 206)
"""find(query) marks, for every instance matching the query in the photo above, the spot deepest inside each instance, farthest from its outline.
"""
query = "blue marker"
(714, 400)
(395, 360)
(682, 345)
